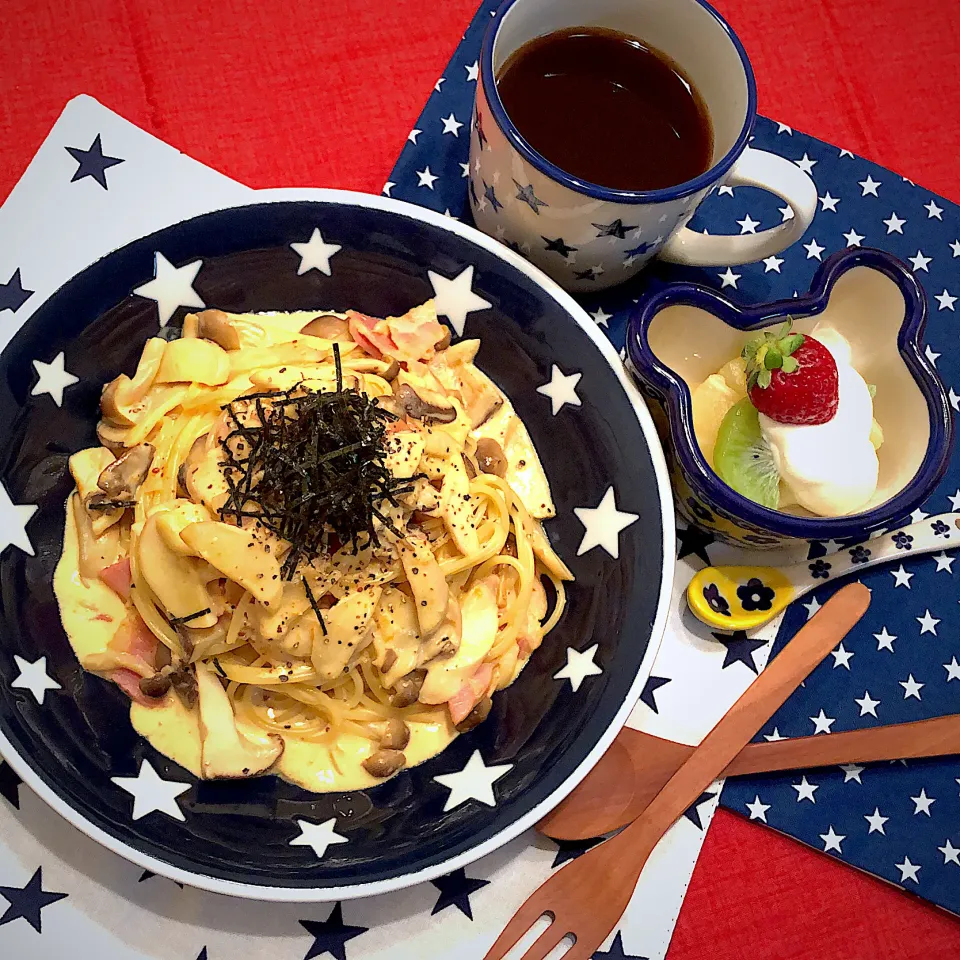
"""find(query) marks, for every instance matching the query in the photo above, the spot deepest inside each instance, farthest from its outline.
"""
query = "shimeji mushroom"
(85, 468)
(121, 478)
(225, 751)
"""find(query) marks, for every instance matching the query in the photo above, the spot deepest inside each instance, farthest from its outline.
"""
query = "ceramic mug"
(587, 236)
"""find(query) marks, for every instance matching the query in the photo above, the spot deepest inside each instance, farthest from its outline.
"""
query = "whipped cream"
(831, 468)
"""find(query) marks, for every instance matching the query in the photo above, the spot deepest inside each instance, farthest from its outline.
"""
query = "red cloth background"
(324, 93)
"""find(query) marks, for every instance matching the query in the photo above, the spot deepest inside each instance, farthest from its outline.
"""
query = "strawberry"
(791, 378)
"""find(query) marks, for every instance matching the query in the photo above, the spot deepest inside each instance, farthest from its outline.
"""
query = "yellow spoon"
(746, 597)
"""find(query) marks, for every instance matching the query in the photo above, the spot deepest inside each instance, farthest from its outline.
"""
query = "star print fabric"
(874, 680)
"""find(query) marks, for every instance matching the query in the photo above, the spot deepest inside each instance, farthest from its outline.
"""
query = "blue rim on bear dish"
(714, 175)
(264, 838)
(669, 389)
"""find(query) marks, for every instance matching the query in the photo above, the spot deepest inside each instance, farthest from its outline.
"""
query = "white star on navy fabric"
(945, 300)
(805, 790)
(27, 902)
(603, 525)
(473, 70)
(474, 782)
(841, 657)
(729, 279)
(933, 211)
(413, 134)
(151, 793)
(53, 378)
(387, 187)
(832, 840)
(13, 522)
(845, 153)
(34, 677)
(454, 297)
(806, 164)
(315, 254)
(869, 187)
(451, 125)
(319, 836)
(922, 803)
(772, 264)
(955, 247)
(918, 515)
(812, 607)
(885, 639)
(930, 355)
(579, 666)
(775, 736)
(852, 771)
(425, 178)
(330, 935)
(894, 224)
(955, 403)
(171, 287)
(758, 809)
(92, 163)
(953, 669)
(464, 170)
(748, 224)
(783, 128)
(908, 870)
(920, 262)
(951, 854)
(561, 389)
(901, 577)
(12, 293)
(822, 723)
(439, 83)
(853, 238)
(876, 821)
(954, 498)
(867, 704)
(828, 203)
(725, 188)
(928, 623)
(911, 688)
(813, 249)
(944, 562)
(786, 213)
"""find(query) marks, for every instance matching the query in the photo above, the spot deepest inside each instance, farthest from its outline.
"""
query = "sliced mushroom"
(427, 581)
(195, 361)
(174, 578)
(476, 716)
(328, 327)
(407, 689)
(112, 436)
(396, 637)
(215, 325)
(184, 681)
(123, 392)
(456, 508)
(95, 553)
(384, 763)
(122, 477)
(347, 624)
(392, 372)
(444, 341)
(238, 555)
(180, 514)
(85, 468)
(490, 457)
(225, 752)
(414, 406)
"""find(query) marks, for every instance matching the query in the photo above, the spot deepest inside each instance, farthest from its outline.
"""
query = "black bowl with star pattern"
(68, 733)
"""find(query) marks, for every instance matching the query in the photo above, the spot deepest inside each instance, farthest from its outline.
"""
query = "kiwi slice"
(743, 459)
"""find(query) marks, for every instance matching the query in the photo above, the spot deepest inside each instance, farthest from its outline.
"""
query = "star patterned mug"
(587, 236)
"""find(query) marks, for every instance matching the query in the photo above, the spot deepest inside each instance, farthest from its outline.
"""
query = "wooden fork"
(586, 898)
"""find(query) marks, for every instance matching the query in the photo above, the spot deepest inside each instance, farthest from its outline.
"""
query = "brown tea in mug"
(607, 108)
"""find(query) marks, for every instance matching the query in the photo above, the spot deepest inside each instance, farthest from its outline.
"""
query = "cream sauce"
(174, 730)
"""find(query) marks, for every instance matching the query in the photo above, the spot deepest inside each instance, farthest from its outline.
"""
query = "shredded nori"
(176, 621)
(310, 468)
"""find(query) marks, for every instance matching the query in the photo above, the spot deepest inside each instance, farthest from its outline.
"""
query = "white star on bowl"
(34, 677)
(474, 782)
(317, 835)
(171, 287)
(315, 254)
(579, 666)
(454, 297)
(13, 522)
(53, 378)
(151, 792)
(561, 389)
(603, 525)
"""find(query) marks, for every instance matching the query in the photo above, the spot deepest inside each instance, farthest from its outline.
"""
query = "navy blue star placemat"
(898, 821)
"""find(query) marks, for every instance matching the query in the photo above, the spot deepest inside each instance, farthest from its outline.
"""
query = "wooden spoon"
(637, 765)
(586, 898)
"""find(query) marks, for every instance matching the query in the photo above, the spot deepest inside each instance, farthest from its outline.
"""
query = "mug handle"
(754, 168)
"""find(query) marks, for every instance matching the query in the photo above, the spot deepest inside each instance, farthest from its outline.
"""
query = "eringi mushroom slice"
(415, 407)
(225, 751)
(122, 477)
(347, 634)
(426, 580)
